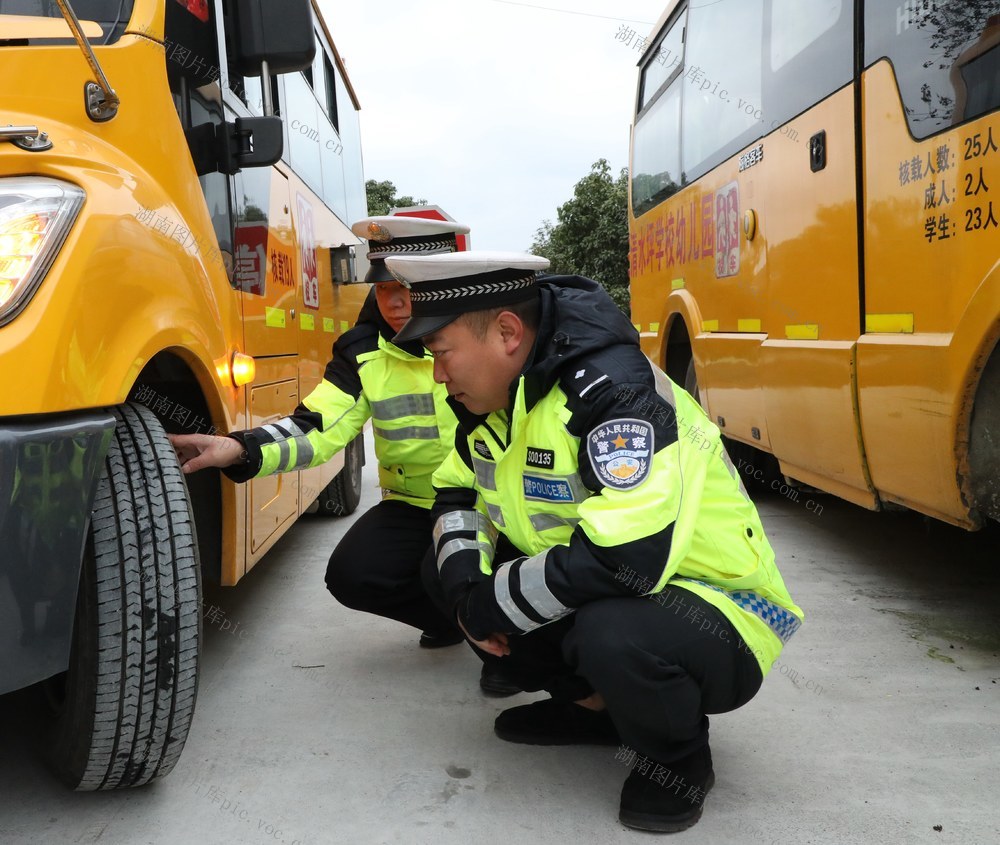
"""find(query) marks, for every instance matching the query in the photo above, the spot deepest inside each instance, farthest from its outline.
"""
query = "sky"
(492, 109)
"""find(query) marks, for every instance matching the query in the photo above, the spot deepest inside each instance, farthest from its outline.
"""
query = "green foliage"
(382, 198)
(591, 236)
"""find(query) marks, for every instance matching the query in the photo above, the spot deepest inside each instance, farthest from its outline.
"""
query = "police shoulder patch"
(621, 452)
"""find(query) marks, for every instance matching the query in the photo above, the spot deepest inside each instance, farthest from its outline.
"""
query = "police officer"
(376, 566)
(590, 530)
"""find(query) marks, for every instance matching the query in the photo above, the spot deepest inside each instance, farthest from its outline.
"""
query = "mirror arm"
(265, 84)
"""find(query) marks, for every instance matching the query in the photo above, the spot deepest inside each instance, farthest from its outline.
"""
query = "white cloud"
(491, 110)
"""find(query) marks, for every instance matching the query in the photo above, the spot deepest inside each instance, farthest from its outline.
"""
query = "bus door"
(265, 245)
(807, 211)
(932, 182)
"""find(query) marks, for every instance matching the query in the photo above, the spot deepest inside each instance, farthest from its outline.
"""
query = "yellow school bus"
(815, 240)
(176, 182)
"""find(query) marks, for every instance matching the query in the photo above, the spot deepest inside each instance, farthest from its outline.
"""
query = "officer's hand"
(197, 451)
(495, 644)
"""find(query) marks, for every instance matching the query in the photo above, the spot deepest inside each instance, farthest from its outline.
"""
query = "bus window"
(665, 61)
(810, 55)
(111, 15)
(192, 61)
(330, 101)
(721, 104)
(944, 55)
(656, 160)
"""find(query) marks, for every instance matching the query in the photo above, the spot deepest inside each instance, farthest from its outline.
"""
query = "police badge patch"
(620, 453)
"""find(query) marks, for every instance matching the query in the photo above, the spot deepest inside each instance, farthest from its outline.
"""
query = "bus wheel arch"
(678, 354)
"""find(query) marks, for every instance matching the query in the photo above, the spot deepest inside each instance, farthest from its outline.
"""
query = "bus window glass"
(797, 24)
(981, 77)
(349, 131)
(656, 151)
(112, 15)
(811, 55)
(721, 103)
(665, 60)
(331, 92)
(944, 56)
(301, 112)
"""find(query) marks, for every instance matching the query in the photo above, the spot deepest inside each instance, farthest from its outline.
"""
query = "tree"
(591, 235)
(382, 198)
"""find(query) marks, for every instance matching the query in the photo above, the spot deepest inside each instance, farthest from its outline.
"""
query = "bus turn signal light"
(244, 369)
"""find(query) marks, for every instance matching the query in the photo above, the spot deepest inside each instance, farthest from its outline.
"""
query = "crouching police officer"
(590, 530)
(376, 566)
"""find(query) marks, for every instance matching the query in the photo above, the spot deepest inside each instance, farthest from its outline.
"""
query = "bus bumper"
(49, 467)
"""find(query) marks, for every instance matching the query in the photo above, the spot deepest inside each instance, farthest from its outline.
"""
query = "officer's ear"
(513, 332)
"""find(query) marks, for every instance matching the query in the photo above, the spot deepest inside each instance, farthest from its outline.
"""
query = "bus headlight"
(36, 214)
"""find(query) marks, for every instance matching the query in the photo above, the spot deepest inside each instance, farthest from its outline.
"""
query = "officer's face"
(394, 303)
(476, 370)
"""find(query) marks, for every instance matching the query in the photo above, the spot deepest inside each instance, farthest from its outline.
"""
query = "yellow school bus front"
(162, 269)
(121, 287)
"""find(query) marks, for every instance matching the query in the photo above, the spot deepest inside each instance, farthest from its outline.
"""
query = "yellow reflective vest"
(367, 377)
(610, 480)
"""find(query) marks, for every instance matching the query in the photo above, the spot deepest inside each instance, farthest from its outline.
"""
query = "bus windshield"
(111, 15)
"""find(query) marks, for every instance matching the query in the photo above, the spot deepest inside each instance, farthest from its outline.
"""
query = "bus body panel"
(933, 227)
(812, 306)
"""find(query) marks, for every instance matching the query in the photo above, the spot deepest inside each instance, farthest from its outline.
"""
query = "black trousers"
(376, 566)
(661, 664)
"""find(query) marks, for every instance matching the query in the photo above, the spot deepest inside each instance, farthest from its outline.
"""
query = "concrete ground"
(322, 725)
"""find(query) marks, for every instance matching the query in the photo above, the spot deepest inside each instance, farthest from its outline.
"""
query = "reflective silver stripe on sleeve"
(484, 526)
(284, 454)
(410, 432)
(407, 405)
(275, 432)
(288, 427)
(545, 521)
(536, 592)
(453, 546)
(663, 387)
(486, 473)
(496, 515)
(501, 589)
(466, 520)
(303, 452)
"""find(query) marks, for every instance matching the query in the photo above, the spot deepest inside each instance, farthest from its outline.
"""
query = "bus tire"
(343, 494)
(128, 697)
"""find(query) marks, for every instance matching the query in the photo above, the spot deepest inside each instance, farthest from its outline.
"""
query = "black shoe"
(666, 797)
(495, 682)
(440, 639)
(551, 722)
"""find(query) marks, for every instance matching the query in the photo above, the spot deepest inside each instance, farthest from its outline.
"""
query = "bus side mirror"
(278, 32)
(343, 264)
(249, 142)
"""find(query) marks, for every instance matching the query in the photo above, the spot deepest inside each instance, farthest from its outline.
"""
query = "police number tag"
(620, 451)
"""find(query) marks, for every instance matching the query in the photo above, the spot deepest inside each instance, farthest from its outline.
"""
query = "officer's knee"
(345, 581)
(598, 654)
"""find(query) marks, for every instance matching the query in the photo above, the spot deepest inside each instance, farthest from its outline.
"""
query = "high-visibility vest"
(609, 489)
(369, 377)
